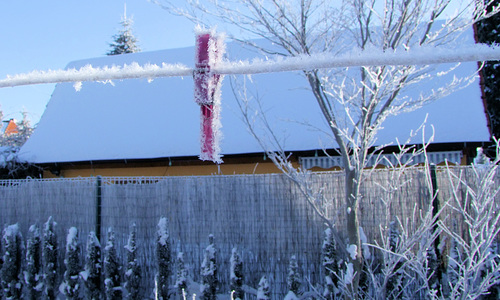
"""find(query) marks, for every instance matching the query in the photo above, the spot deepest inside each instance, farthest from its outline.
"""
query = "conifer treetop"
(124, 41)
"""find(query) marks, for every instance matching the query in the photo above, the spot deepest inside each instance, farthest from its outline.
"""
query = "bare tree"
(356, 101)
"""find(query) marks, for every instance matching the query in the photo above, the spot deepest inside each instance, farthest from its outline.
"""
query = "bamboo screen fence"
(265, 216)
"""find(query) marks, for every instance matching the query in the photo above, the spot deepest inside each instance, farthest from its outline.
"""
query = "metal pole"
(98, 209)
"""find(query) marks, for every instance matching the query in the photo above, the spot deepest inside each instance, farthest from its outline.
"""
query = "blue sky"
(41, 35)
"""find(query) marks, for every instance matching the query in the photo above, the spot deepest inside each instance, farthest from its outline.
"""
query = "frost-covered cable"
(90, 73)
(369, 57)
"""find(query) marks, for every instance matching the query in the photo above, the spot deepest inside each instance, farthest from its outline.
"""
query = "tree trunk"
(352, 194)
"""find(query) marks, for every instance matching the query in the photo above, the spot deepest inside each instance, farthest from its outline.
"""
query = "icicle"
(209, 51)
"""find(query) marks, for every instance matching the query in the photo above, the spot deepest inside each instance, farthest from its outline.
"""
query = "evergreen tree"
(133, 272)
(33, 273)
(11, 269)
(488, 32)
(264, 291)
(164, 259)
(181, 280)
(330, 265)
(293, 278)
(93, 268)
(124, 41)
(236, 277)
(112, 281)
(50, 252)
(209, 279)
(71, 286)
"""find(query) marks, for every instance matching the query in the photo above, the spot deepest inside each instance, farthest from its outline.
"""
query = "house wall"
(264, 167)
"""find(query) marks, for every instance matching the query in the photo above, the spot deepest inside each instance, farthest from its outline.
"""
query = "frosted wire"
(369, 57)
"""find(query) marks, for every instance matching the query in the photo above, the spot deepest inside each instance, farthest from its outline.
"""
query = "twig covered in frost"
(133, 270)
(401, 265)
(209, 280)
(50, 253)
(11, 278)
(474, 268)
(93, 268)
(33, 274)
(71, 285)
(112, 269)
(164, 259)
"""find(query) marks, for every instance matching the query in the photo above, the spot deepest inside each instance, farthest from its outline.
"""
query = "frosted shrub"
(473, 265)
(133, 271)
(293, 278)
(93, 268)
(395, 281)
(112, 278)
(50, 252)
(181, 278)
(164, 259)
(209, 279)
(12, 259)
(264, 291)
(71, 286)
(330, 265)
(33, 273)
(236, 275)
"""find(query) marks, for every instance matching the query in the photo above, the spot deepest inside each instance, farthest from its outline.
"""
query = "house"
(138, 127)
(9, 127)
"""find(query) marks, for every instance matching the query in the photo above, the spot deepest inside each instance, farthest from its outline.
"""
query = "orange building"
(9, 127)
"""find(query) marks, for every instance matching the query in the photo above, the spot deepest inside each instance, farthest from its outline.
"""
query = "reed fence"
(265, 216)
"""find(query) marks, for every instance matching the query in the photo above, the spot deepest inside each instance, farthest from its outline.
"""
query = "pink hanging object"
(209, 50)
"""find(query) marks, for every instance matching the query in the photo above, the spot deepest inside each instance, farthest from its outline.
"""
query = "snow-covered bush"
(330, 264)
(93, 268)
(12, 282)
(181, 278)
(33, 273)
(49, 252)
(264, 291)
(112, 268)
(236, 275)
(164, 259)
(293, 278)
(133, 269)
(71, 284)
(209, 281)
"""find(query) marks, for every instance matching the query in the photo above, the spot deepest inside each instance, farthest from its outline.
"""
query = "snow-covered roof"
(137, 119)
